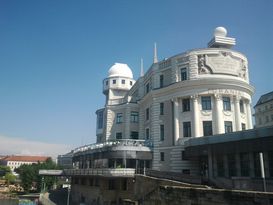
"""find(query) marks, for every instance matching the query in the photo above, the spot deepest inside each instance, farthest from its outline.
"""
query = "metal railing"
(121, 142)
(123, 172)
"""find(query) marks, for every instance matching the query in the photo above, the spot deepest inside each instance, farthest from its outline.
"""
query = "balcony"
(140, 145)
(105, 172)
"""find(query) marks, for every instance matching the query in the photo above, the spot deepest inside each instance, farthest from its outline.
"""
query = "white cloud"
(19, 146)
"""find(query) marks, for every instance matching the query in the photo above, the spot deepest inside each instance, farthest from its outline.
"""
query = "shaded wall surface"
(166, 195)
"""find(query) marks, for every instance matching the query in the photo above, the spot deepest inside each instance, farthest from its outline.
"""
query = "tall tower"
(115, 88)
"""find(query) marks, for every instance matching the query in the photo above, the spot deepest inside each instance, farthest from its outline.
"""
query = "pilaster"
(237, 113)
(176, 119)
(219, 114)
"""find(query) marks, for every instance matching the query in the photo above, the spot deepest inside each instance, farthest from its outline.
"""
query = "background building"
(65, 160)
(264, 110)
(16, 161)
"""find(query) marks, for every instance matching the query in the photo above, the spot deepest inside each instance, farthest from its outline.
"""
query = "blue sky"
(55, 54)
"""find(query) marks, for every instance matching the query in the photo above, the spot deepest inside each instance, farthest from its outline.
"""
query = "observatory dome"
(120, 70)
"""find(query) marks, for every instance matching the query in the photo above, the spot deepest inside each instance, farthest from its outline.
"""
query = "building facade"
(264, 110)
(197, 93)
(146, 123)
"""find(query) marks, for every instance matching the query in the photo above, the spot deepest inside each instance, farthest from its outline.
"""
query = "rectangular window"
(111, 184)
(257, 165)
(134, 135)
(119, 118)
(187, 129)
(183, 155)
(228, 126)
(147, 87)
(244, 162)
(124, 185)
(226, 103)
(162, 157)
(119, 135)
(122, 81)
(161, 108)
(270, 163)
(91, 182)
(147, 113)
(242, 110)
(220, 166)
(243, 126)
(184, 74)
(207, 128)
(162, 133)
(134, 117)
(206, 102)
(147, 133)
(114, 81)
(186, 105)
(100, 120)
(161, 81)
(231, 165)
(131, 82)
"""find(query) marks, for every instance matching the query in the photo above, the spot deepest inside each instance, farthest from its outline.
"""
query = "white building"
(16, 161)
(192, 94)
(264, 110)
(151, 122)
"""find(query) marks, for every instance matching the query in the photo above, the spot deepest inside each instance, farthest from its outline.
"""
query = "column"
(237, 113)
(196, 120)
(219, 114)
(249, 115)
(176, 120)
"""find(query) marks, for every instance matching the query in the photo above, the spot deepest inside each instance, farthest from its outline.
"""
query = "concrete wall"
(166, 195)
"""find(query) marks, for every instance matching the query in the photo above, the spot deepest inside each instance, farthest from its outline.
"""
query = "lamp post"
(68, 193)
(262, 170)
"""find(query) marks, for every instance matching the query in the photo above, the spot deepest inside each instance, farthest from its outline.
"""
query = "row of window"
(244, 161)
(266, 108)
(133, 117)
(184, 76)
(133, 135)
(206, 105)
(207, 129)
(266, 119)
(114, 81)
(112, 183)
(183, 157)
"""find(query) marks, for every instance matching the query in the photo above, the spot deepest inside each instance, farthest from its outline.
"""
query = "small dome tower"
(119, 81)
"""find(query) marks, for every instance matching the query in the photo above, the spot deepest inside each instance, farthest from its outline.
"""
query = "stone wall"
(166, 195)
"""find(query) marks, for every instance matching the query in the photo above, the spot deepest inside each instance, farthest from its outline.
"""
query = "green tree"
(4, 170)
(10, 178)
(29, 174)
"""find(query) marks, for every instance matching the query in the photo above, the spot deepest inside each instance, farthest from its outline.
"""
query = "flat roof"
(256, 133)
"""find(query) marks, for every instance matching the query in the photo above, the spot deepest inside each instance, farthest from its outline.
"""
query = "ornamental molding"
(206, 112)
(227, 113)
(232, 92)
(222, 62)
